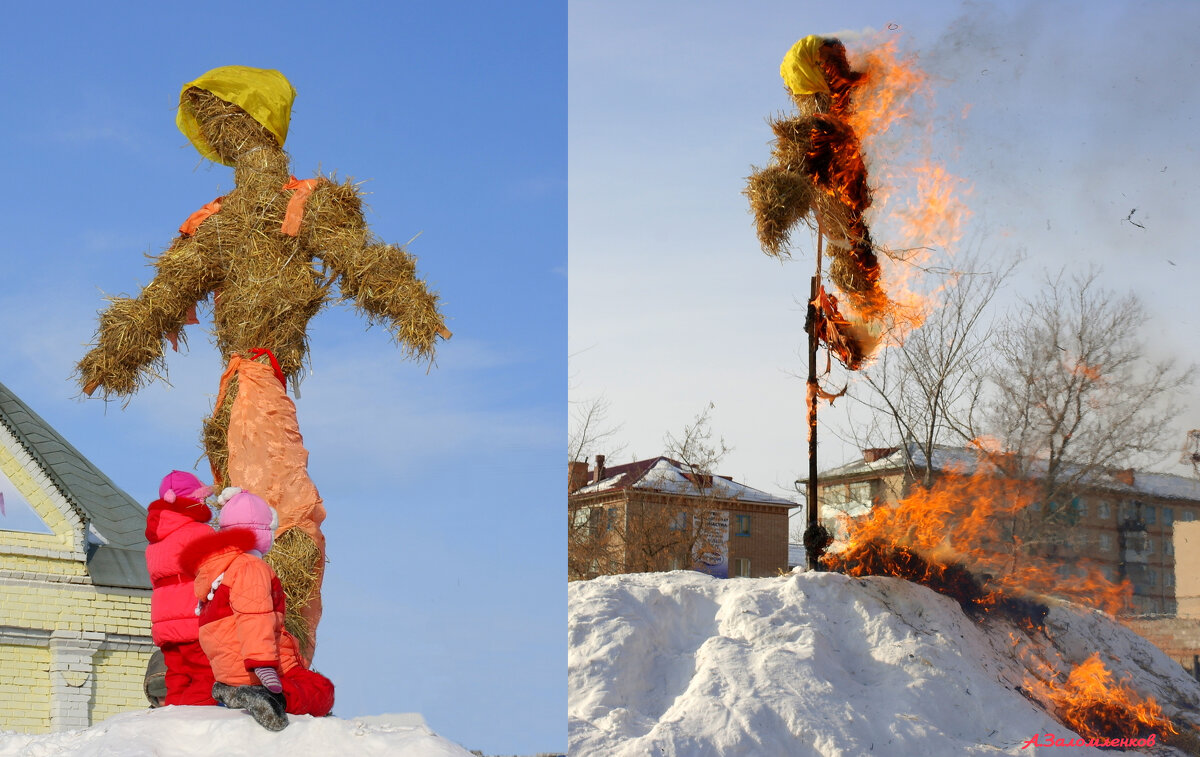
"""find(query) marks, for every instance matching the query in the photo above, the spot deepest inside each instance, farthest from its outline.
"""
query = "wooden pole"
(813, 536)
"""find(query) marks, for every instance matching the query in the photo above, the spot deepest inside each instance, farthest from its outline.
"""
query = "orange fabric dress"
(267, 457)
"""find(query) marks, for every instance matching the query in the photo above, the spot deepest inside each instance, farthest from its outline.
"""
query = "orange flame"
(921, 200)
(885, 95)
(984, 523)
(1096, 706)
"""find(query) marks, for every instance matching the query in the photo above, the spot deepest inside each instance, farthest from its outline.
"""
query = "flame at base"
(983, 523)
(1094, 705)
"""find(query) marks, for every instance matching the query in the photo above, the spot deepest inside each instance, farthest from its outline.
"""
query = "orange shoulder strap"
(200, 216)
(295, 206)
(291, 219)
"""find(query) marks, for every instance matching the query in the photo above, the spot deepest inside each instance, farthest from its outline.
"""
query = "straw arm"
(382, 282)
(379, 278)
(129, 347)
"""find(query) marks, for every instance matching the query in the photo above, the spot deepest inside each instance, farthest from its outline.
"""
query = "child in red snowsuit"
(175, 520)
(254, 660)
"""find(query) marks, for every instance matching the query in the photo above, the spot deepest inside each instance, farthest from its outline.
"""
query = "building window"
(1168, 516)
(613, 514)
(1105, 542)
(1152, 575)
(1149, 545)
(679, 521)
(1188, 516)
(1080, 506)
(742, 525)
(1169, 578)
(1105, 511)
(741, 567)
(1149, 514)
(582, 518)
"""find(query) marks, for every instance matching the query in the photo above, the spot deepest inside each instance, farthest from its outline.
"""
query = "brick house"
(1122, 521)
(74, 593)
(655, 514)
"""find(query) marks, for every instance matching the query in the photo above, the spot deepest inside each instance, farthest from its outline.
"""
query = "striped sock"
(269, 679)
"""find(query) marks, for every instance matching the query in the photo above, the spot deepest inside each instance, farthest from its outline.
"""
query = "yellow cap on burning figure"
(264, 93)
(801, 68)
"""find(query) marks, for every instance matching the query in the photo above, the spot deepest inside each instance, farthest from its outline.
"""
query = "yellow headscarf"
(264, 93)
(801, 70)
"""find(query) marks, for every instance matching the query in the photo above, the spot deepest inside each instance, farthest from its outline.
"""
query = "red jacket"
(170, 528)
(241, 624)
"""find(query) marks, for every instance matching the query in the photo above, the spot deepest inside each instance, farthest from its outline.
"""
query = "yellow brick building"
(74, 601)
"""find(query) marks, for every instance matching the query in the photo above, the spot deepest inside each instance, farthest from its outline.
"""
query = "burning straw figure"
(817, 174)
(269, 253)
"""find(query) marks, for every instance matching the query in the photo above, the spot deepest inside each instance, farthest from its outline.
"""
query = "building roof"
(962, 460)
(116, 523)
(663, 474)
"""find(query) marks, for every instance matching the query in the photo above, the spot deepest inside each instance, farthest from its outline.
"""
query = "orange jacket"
(241, 607)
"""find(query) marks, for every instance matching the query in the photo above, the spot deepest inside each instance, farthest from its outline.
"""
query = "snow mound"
(823, 664)
(204, 731)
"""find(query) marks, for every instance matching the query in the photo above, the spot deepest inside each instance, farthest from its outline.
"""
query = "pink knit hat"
(251, 512)
(179, 483)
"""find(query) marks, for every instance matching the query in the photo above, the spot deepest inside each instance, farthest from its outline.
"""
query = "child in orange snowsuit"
(254, 660)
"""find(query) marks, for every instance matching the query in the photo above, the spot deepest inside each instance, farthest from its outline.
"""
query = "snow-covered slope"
(823, 664)
(203, 731)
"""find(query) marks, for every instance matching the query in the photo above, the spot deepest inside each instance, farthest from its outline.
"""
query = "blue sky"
(1059, 117)
(444, 590)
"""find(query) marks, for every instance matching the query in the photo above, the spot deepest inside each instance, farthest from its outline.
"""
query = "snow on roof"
(665, 475)
(823, 664)
(968, 461)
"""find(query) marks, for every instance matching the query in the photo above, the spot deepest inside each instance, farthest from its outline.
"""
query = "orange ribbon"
(200, 216)
(291, 219)
(295, 206)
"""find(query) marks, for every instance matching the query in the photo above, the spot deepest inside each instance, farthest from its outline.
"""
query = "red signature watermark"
(1049, 739)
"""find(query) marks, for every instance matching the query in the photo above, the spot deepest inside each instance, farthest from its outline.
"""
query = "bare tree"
(1076, 391)
(592, 546)
(928, 390)
(590, 433)
(696, 450)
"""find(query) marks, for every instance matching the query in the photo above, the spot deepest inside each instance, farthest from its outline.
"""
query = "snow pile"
(822, 664)
(203, 731)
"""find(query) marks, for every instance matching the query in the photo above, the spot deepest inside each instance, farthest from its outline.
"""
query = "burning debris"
(974, 525)
(1095, 706)
(976, 595)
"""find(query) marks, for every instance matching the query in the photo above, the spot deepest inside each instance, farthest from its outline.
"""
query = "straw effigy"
(299, 563)
(817, 175)
(266, 264)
